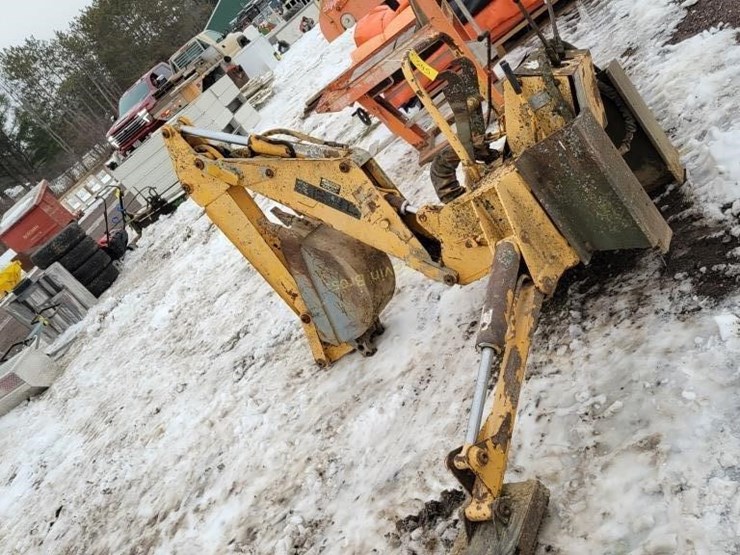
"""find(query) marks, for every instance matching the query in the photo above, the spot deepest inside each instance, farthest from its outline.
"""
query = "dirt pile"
(706, 14)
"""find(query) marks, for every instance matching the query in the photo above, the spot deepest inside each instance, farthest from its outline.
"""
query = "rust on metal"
(589, 191)
(499, 296)
(501, 437)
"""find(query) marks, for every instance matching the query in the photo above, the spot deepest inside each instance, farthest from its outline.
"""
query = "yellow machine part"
(514, 203)
(10, 276)
(535, 114)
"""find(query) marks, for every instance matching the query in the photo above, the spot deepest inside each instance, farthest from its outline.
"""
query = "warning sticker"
(424, 68)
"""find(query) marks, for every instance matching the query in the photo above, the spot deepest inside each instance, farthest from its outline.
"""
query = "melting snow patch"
(191, 419)
(729, 326)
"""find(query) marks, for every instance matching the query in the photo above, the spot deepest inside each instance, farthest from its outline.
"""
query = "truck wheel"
(92, 267)
(79, 254)
(105, 279)
(57, 246)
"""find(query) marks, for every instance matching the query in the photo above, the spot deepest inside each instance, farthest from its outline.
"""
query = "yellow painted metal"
(346, 190)
(238, 216)
(10, 276)
(487, 458)
(368, 216)
(532, 115)
(546, 252)
(424, 68)
(267, 147)
(501, 206)
(209, 151)
(472, 171)
(526, 126)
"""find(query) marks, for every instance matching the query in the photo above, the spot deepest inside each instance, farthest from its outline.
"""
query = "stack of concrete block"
(245, 119)
(220, 108)
(257, 58)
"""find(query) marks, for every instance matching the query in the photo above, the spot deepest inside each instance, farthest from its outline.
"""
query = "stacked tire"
(81, 256)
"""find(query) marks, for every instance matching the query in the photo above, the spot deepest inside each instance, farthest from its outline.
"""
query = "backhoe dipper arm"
(238, 216)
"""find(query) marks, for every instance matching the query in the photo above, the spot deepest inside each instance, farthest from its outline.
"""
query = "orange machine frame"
(374, 81)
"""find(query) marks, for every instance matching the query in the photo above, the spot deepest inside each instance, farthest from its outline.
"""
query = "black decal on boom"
(327, 198)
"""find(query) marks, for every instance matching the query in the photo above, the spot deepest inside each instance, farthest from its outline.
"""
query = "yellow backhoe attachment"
(564, 187)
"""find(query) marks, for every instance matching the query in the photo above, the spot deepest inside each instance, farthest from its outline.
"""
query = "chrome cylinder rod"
(215, 135)
(488, 355)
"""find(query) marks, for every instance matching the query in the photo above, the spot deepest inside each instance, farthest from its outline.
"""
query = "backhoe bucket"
(590, 192)
(345, 283)
(651, 156)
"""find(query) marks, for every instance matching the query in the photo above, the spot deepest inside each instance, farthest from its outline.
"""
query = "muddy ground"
(706, 14)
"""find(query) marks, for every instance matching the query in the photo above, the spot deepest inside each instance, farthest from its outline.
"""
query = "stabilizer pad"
(520, 512)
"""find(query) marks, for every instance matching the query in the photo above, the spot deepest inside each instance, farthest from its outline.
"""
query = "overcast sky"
(40, 18)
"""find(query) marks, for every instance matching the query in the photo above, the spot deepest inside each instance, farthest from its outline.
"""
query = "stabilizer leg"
(500, 519)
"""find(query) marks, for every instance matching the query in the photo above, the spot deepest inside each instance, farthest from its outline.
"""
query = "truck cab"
(135, 120)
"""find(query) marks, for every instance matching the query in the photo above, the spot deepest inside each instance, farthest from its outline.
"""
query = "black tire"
(117, 245)
(80, 253)
(363, 116)
(24, 284)
(92, 267)
(57, 246)
(100, 284)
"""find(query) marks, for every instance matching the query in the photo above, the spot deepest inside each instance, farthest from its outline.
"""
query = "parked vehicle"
(227, 45)
(196, 66)
(135, 118)
(206, 49)
(292, 7)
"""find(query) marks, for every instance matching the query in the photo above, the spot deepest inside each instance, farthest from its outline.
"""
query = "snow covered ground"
(191, 419)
